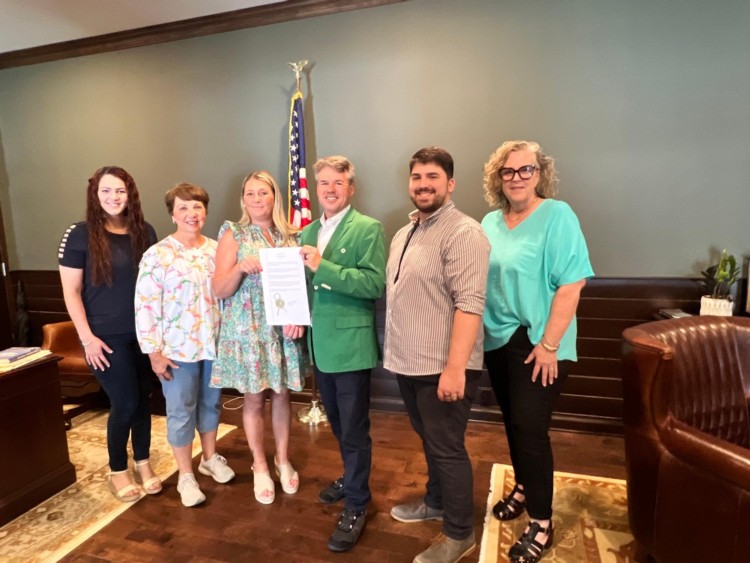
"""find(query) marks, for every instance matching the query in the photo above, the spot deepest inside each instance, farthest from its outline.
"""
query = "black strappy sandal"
(527, 549)
(510, 507)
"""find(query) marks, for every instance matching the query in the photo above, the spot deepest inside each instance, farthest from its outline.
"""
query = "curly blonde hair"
(493, 184)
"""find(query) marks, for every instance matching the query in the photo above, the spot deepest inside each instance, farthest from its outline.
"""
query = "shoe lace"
(188, 478)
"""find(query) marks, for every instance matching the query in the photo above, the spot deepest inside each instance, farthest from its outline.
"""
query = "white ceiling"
(31, 23)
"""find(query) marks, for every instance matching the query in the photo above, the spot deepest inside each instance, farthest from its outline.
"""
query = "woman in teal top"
(538, 265)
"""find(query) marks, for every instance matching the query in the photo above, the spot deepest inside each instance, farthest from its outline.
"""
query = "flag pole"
(313, 414)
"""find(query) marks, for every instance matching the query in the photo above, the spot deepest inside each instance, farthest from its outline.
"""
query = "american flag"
(299, 198)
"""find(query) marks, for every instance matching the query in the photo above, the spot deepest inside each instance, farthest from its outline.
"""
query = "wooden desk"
(35, 462)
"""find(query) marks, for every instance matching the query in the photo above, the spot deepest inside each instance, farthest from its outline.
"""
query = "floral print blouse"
(176, 311)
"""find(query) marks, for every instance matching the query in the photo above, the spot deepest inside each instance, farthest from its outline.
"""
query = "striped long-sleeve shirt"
(434, 268)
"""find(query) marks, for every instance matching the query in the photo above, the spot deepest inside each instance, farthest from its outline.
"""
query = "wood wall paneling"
(592, 395)
(44, 299)
(591, 399)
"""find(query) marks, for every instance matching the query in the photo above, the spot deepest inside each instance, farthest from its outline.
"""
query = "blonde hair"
(278, 217)
(338, 163)
(493, 184)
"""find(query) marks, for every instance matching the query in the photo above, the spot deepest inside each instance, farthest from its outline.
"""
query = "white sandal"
(262, 485)
(288, 476)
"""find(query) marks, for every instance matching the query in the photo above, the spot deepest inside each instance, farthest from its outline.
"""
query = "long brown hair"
(96, 220)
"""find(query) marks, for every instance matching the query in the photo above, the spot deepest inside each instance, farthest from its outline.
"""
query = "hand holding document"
(284, 287)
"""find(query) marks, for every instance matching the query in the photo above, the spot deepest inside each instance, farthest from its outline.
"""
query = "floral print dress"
(252, 355)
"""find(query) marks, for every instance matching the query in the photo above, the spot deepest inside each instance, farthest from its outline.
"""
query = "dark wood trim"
(44, 300)
(185, 29)
(37, 277)
(643, 288)
(591, 399)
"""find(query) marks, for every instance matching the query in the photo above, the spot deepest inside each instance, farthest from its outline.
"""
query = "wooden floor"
(232, 526)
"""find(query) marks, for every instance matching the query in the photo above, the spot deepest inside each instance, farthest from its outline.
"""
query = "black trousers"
(128, 383)
(346, 398)
(527, 411)
(442, 426)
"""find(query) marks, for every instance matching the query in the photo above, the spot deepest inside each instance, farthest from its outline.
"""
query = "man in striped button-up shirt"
(435, 282)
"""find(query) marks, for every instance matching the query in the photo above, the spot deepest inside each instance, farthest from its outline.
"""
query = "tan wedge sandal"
(152, 485)
(128, 493)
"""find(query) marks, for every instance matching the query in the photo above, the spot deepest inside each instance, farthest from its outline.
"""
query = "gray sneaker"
(416, 511)
(446, 550)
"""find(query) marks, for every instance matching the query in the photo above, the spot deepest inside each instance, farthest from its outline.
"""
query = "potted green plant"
(719, 280)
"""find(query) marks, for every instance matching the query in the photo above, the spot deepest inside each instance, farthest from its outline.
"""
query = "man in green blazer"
(344, 254)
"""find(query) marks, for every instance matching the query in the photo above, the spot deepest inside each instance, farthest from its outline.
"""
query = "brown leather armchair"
(79, 386)
(686, 390)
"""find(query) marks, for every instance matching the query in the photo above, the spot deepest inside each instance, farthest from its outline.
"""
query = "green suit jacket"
(350, 278)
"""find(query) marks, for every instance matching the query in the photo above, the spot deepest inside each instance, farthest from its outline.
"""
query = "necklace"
(268, 235)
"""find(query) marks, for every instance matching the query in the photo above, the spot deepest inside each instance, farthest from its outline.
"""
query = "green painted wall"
(644, 104)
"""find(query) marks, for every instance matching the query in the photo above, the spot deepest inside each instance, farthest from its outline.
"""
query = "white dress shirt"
(328, 226)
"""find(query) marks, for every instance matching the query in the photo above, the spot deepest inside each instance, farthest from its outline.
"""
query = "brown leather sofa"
(686, 390)
(79, 386)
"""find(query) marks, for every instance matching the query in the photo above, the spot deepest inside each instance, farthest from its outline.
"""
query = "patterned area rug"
(63, 522)
(590, 516)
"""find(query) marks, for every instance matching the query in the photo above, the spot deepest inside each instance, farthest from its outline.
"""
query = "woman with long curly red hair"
(98, 261)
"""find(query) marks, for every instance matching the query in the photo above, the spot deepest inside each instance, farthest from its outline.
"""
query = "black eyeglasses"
(525, 172)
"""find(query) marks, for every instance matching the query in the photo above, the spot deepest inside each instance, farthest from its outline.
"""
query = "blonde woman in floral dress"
(257, 359)
(177, 323)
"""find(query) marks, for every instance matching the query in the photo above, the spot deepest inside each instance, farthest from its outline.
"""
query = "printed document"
(284, 287)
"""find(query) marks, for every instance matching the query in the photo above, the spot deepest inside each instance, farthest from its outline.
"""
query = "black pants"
(346, 398)
(128, 383)
(442, 426)
(527, 411)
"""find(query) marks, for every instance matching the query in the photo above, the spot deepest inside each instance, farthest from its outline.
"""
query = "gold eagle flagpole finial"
(298, 67)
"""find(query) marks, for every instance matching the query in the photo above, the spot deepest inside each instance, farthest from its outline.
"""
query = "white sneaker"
(217, 468)
(189, 490)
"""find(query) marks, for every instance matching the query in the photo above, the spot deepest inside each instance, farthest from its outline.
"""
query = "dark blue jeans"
(127, 382)
(527, 413)
(442, 426)
(346, 398)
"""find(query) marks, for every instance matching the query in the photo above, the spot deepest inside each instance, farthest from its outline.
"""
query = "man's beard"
(436, 204)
